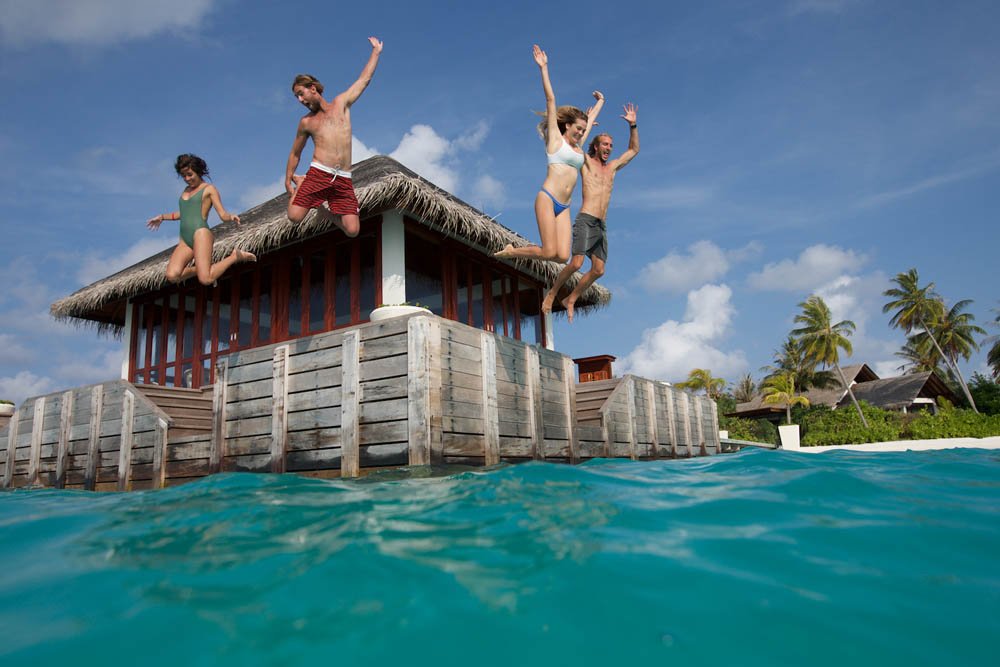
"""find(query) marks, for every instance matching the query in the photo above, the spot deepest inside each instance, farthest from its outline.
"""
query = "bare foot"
(506, 252)
(547, 301)
(243, 255)
(568, 305)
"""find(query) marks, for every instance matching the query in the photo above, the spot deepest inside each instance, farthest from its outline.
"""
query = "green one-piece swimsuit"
(191, 220)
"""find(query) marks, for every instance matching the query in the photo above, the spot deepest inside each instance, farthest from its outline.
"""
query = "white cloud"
(258, 194)
(426, 152)
(96, 22)
(24, 384)
(436, 158)
(704, 262)
(360, 151)
(815, 266)
(488, 191)
(94, 267)
(672, 349)
(886, 369)
(473, 139)
(12, 351)
(107, 366)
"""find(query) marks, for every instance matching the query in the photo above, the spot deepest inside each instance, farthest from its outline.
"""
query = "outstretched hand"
(154, 222)
(376, 44)
(599, 96)
(630, 113)
(540, 56)
(234, 218)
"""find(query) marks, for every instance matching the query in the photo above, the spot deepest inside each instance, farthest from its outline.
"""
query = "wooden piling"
(350, 462)
(651, 416)
(94, 437)
(220, 394)
(125, 447)
(536, 426)
(37, 423)
(569, 370)
(62, 447)
(279, 409)
(8, 471)
(491, 412)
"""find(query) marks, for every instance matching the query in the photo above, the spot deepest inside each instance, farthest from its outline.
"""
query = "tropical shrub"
(823, 426)
(953, 423)
(986, 393)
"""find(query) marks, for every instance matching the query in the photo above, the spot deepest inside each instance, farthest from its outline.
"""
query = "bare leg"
(574, 265)
(207, 272)
(296, 213)
(555, 231)
(181, 258)
(351, 224)
(588, 279)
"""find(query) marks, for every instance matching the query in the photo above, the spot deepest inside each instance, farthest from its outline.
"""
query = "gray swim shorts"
(590, 237)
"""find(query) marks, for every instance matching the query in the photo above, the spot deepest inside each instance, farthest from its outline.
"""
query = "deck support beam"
(350, 461)
(491, 412)
(62, 447)
(279, 408)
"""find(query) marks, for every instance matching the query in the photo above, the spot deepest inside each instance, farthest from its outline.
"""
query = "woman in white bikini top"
(564, 130)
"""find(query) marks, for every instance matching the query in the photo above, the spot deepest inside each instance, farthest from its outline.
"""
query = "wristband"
(633, 126)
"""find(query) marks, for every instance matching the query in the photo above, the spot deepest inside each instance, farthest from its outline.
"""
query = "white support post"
(127, 339)
(393, 258)
(550, 334)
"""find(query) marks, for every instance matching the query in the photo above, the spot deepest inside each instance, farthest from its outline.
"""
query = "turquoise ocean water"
(756, 558)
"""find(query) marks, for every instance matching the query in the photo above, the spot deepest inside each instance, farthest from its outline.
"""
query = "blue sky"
(788, 148)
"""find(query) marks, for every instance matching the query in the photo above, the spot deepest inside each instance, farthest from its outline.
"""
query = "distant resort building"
(905, 393)
(418, 244)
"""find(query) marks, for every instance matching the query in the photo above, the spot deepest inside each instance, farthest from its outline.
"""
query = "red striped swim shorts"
(320, 186)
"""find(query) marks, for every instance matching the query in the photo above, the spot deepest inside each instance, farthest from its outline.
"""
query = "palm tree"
(822, 340)
(921, 307)
(919, 357)
(780, 390)
(701, 379)
(954, 331)
(745, 389)
(993, 356)
(791, 358)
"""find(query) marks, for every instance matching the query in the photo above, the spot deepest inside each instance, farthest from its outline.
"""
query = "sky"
(788, 148)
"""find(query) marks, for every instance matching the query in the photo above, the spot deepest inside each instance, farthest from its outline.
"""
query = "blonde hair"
(307, 80)
(565, 116)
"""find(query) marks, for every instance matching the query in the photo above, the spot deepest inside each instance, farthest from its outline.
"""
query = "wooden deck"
(407, 391)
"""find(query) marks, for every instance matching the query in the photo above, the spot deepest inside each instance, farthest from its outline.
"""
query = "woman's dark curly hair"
(192, 162)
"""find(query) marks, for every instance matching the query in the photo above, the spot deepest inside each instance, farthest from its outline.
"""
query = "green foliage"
(953, 423)
(740, 428)
(986, 393)
(6, 402)
(823, 426)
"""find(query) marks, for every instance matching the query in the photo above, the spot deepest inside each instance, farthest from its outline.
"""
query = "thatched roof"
(892, 393)
(381, 184)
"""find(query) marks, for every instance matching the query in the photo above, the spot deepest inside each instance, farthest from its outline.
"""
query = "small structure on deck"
(277, 367)
(593, 369)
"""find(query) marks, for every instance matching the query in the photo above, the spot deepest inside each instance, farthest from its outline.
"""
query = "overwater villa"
(282, 365)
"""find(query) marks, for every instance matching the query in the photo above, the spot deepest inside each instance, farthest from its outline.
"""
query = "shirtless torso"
(328, 124)
(598, 179)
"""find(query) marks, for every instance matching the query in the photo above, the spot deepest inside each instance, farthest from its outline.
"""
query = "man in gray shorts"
(590, 232)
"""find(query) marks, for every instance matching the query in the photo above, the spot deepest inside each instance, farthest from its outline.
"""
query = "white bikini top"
(567, 156)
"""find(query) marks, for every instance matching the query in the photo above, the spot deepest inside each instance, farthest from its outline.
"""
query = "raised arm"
(351, 95)
(216, 200)
(552, 141)
(592, 114)
(633, 137)
(301, 137)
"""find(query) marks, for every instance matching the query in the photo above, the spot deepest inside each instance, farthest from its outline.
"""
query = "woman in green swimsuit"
(196, 201)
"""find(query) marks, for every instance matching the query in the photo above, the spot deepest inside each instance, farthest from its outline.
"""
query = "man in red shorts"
(328, 180)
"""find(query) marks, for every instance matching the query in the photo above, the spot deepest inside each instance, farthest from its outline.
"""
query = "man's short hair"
(307, 80)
